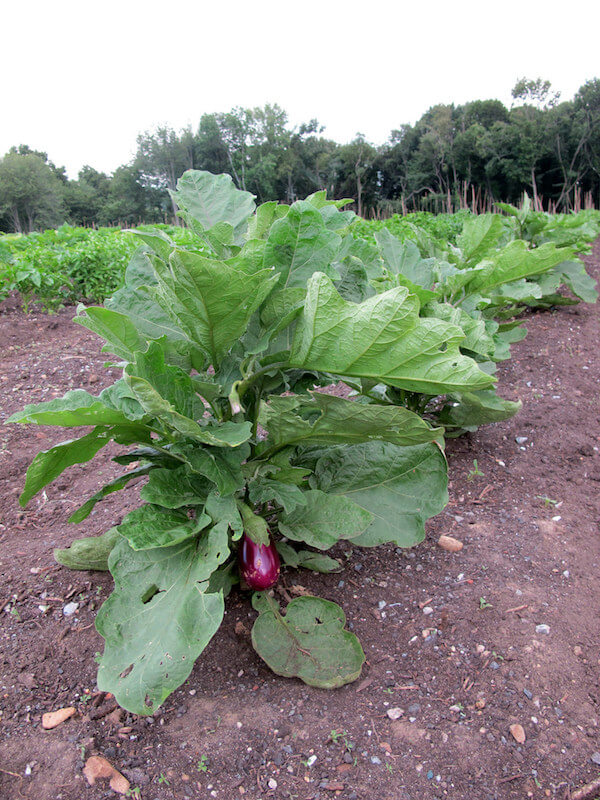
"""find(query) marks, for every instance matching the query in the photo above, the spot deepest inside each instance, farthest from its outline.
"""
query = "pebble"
(395, 713)
(272, 783)
(544, 629)
(375, 760)
(495, 665)
(430, 775)
(310, 761)
(428, 610)
(414, 708)
(596, 757)
(70, 609)
(450, 543)
(517, 732)
(521, 439)
(528, 694)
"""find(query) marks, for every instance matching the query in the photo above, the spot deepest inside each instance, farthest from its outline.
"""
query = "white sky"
(81, 79)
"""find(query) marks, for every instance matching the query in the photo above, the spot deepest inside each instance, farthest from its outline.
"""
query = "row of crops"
(223, 334)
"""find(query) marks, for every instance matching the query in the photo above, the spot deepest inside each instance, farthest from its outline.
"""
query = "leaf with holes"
(159, 618)
(310, 642)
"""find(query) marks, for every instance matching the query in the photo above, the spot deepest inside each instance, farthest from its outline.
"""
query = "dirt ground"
(466, 644)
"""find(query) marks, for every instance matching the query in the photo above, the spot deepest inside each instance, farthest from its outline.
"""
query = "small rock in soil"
(70, 609)
(395, 713)
(53, 718)
(544, 629)
(517, 732)
(450, 544)
(596, 757)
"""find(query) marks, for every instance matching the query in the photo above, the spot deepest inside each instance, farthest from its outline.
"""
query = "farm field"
(462, 674)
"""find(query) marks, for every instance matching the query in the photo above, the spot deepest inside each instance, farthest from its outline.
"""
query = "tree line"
(455, 156)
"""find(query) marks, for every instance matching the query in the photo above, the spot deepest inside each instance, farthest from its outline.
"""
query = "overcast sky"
(81, 79)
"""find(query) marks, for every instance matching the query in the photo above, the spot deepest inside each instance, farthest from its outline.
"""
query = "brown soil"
(463, 674)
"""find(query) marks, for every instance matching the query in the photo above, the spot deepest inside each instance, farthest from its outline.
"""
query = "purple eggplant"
(259, 564)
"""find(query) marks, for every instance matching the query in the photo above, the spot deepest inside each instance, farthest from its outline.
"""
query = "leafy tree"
(31, 196)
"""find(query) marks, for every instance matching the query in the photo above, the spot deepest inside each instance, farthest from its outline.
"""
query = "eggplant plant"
(227, 346)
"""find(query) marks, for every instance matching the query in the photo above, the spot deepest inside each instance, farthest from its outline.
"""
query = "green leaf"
(224, 579)
(174, 488)
(77, 407)
(477, 339)
(514, 262)
(381, 338)
(579, 282)
(157, 240)
(135, 301)
(159, 618)
(211, 199)
(479, 235)
(225, 434)
(221, 465)
(49, 464)
(470, 410)
(326, 419)
(317, 562)
(211, 301)
(300, 244)
(266, 214)
(354, 282)
(404, 259)
(113, 486)
(225, 514)
(121, 335)
(173, 384)
(255, 526)
(324, 519)
(263, 490)
(151, 526)
(400, 487)
(92, 552)
(309, 642)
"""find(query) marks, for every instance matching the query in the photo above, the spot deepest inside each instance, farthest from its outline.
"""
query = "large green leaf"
(173, 384)
(226, 434)
(78, 407)
(327, 419)
(400, 487)
(309, 642)
(382, 338)
(479, 236)
(514, 262)
(579, 282)
(174, 488)
(266, 214)
(211, 300)
(158, 619)
(404, 258)
(122, 337)
(92, 552)
(211, 199)
(324, 519)
(300, 244)
(49, 464)
(151, 526)
(470, 410)
(221, 465)
(135, 300)
(264, 490)
(477, 339)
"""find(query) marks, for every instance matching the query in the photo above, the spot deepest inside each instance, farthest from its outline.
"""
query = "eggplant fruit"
(259, 564)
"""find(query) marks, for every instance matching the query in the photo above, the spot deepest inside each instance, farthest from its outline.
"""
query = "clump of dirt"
(483, 664)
